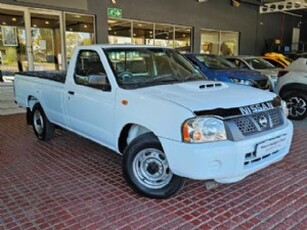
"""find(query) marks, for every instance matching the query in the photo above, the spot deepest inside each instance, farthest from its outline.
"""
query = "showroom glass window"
(164, 35)
(123, 31)
(46, 41)
(79, 31)
(230, 41)
(210, 42)
(143, 33)
(182, 40)
(120, 31)
(12, 42)
(219, 42)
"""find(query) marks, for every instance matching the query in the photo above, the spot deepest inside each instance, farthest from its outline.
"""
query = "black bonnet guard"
(235, 111)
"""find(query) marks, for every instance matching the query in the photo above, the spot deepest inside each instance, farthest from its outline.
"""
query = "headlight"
(241, 82)
(284, 108)
(203, 129)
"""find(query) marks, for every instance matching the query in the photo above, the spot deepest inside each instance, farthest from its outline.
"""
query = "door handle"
(71, 92)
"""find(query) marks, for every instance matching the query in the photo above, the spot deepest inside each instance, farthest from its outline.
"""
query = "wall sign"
(115, 12)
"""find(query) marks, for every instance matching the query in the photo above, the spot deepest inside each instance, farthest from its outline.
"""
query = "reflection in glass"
(79, 31)
(119, 31)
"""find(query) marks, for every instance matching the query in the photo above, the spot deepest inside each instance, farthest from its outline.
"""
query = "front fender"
(162, 117)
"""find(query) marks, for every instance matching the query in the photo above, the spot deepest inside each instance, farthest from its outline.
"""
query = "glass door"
(46, 40)
(12, 43)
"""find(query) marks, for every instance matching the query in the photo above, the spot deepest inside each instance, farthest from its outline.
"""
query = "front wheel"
(296, 104)
(146, 169)
(42, 127)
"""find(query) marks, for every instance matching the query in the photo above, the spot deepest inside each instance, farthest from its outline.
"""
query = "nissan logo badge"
(263, 121)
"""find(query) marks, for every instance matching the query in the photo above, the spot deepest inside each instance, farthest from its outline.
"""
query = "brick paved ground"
(72, 183)
(7, 104)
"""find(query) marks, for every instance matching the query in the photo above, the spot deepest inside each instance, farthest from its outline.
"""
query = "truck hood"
(206, 95)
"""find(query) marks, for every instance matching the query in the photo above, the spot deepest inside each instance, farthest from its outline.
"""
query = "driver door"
(90, 109)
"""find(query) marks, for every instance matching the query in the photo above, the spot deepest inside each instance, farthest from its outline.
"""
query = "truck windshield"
(143, 67)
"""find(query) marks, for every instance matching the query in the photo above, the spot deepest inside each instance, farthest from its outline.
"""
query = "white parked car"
(257, 64)
(292, 87)
(152, 106)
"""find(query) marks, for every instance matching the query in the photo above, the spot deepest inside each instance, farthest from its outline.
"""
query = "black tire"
(146, 150)
(297, 104)
(42, 127)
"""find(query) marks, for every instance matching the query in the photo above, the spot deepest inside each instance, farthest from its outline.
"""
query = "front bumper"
(225, 161)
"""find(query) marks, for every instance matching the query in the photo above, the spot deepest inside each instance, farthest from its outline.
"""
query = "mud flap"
(29, 117)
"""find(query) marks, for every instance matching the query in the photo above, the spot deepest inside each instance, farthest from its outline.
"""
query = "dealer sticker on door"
(271, 146)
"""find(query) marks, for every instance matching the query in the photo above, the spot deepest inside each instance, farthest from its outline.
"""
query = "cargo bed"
(59, 76)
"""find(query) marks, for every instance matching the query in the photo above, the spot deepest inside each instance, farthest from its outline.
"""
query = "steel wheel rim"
(38, 122)
(297, 106)
(151, 168)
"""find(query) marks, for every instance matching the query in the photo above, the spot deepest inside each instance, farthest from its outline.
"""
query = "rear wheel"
(296, 104)
(146, 169)
(42, 127)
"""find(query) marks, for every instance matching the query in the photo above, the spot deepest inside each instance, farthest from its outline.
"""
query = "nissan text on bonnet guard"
(151, 106)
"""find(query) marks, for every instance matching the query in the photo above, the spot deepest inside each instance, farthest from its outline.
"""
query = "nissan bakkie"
(150, 105)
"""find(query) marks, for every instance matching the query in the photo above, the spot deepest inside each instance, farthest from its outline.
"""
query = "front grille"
(259, 121)
(245, 125)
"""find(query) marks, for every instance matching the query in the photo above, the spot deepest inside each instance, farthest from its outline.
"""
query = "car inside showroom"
(82, 145)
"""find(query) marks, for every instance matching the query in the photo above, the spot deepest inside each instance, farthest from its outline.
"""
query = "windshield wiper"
(156, 79)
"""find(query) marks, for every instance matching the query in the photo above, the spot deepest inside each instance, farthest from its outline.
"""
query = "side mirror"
(99, 81)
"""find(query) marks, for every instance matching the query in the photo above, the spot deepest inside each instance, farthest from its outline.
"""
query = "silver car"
(257, 64)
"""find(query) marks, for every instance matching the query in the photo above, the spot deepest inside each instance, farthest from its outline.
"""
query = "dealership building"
(41, 35)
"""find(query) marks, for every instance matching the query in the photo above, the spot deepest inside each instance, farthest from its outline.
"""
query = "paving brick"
(70, 182)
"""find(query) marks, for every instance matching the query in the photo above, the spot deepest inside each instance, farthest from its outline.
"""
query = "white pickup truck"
(150, 105)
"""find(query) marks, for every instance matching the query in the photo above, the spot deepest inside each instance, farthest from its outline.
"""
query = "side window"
(234, 61)
(89, 71)
(239, 64)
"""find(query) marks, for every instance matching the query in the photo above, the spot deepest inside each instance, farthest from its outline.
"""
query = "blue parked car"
(218, 68)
